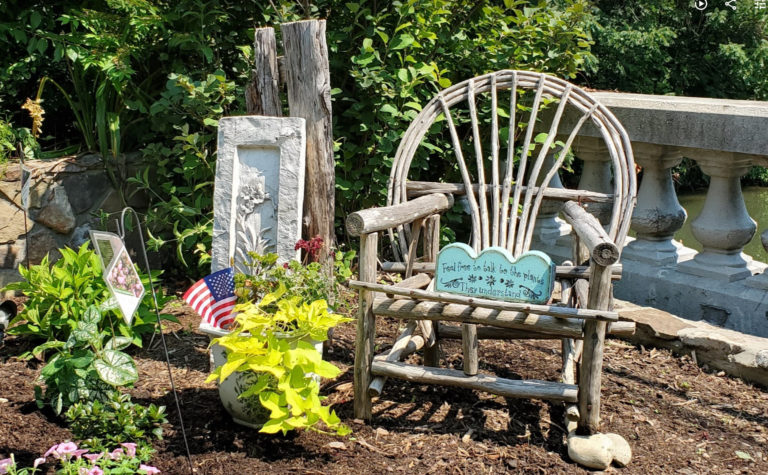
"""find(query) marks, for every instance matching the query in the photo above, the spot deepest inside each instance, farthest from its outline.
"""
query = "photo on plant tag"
(119, 272)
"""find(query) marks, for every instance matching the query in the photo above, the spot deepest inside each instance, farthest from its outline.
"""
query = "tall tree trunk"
(309, 96)
(262, 95)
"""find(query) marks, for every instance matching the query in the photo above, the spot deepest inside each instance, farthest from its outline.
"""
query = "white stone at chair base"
(599, 450)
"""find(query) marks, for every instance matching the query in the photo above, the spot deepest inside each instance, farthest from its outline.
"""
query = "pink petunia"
(51, 451)
(79, 453)
(130, 448)
(38, 461)
(66, 448)
(116, 454)
(93, 457)
(5, 464)
(149, 469)
(95, 471)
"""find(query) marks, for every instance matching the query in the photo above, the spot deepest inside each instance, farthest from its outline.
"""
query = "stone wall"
(64, 193)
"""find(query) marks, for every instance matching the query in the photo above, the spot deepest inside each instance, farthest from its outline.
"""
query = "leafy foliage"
(59, 296)
(179, 175)
(273, 338)
(10, 137)
(104, 425)
(307, 282)
(666, 47)
(85, 368)
(389, 60)
(157, 76)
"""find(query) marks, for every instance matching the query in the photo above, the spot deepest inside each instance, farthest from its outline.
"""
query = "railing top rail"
(702, 105)
(688, 122)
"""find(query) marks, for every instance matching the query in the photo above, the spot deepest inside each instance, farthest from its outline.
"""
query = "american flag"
(213, 298)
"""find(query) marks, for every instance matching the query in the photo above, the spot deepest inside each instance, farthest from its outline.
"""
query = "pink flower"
(130, 448)
(149, 469)
(66, 448)
(51, 451)
(94, 471)
(61, 450)
(116, 454)
(38, 461)
(93, 457)
(5, 464)
(79, 453)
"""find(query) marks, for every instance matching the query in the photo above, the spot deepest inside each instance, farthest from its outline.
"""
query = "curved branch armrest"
(378, 219)
(601, 248)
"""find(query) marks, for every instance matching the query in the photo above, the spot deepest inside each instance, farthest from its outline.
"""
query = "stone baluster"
(595, 173)
(550, 231)
(724, 226)
(658, 214)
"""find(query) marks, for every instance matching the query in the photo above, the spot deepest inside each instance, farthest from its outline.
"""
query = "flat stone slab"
(738, 354)
(658, 323)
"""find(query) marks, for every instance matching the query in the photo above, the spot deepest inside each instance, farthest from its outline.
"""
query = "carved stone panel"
(259, 188)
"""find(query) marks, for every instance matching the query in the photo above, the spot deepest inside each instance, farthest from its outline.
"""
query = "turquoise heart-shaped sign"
(495, 274)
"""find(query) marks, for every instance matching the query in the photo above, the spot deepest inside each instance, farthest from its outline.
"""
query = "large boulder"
(56, 212)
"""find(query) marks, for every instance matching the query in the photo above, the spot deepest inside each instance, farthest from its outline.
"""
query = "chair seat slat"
(551, 310)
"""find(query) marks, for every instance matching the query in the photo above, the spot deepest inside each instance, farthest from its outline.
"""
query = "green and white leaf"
(116, 368)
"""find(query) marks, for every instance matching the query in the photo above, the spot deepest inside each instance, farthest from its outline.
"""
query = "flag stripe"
(194, 289)
(200, 298)
(223, 308)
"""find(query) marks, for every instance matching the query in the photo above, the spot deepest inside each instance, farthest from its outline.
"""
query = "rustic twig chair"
(503, 211)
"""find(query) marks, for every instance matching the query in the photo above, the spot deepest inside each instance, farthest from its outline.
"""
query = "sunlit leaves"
(273, 339)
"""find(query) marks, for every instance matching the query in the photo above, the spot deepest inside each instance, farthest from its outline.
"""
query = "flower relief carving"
(251, 233)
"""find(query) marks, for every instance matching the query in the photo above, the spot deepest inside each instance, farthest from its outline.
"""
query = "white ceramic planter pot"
(248, 413)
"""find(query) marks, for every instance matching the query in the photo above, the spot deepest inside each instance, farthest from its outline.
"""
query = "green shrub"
(104, 425)
(180, 172)
(306, 281)
(85, 367)
(59, 295)
(667, 47)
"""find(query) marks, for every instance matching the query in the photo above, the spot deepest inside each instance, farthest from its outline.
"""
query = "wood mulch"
(678, 418)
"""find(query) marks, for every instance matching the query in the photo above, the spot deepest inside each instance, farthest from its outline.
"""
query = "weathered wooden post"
(309, 96)
(262, 95)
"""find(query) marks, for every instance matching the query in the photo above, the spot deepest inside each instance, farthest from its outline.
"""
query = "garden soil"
(678, 418)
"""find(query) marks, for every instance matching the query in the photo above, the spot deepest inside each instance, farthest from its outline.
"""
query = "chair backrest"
(502, 206)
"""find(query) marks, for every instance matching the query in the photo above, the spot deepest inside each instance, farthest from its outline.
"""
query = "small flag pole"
(121, 232)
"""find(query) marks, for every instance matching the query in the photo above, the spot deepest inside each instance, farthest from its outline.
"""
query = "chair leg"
(469, 345)
(432, 352)
(571, 351)
(366, 328)
(431, 248)
(590, 371)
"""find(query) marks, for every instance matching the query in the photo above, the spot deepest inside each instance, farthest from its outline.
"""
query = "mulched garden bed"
(678, 417)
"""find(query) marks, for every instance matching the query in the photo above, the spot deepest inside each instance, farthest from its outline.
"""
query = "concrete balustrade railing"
(725, 138)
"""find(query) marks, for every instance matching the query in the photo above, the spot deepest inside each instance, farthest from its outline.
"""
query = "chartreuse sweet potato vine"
(273, 338)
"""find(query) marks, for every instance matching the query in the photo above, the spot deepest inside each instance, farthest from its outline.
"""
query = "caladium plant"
(85, 368)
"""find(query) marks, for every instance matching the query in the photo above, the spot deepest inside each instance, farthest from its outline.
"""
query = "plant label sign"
(119, 272)
(495, 274)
